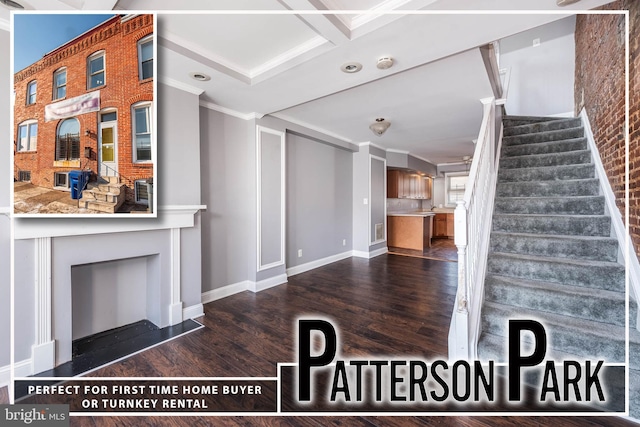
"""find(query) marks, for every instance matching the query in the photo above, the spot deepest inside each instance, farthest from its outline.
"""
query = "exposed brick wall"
(600, 76)
(123, 88)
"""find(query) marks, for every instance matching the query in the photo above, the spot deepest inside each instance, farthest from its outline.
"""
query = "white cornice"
(393, 150)
(451, 164)
(371, 144)
(360, 20)
(287, 56)
(311, 127)
(179, 85)
(229, 111)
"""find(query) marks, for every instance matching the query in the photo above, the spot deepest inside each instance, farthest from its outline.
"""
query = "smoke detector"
(384, 62)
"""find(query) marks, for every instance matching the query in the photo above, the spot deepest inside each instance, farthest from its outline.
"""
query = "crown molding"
(393, 150)
(179, 85)
(287, 56)
(230, 112)
(372, 144)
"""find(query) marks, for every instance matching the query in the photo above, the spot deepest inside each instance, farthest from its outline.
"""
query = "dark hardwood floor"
(441, 249)
(389, 305)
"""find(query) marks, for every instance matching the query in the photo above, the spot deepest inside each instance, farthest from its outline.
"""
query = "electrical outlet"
(299, 253)
(344, 242)
(365, 201)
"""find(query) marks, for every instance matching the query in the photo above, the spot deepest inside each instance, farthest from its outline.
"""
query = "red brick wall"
(600, 89)
(122, 89)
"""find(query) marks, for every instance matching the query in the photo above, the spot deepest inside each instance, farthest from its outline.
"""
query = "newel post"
(462, 298)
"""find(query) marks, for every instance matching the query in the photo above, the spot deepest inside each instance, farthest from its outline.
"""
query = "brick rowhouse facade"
(121, 89)
(600, 74)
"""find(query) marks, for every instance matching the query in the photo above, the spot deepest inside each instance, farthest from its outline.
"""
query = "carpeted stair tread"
(574, 144)
(568, 334)
(542, 160)
(546, 136)
(634, 347)
(542, 126)
(595, 248)
(566, 205)
(510, 121)
(634, 393)
(568, 300)
(546, 173)
(579, 225)
(569, 187)
(565, 271)
(494, 347)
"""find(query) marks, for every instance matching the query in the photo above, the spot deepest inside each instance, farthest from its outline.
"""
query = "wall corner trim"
(193, 311)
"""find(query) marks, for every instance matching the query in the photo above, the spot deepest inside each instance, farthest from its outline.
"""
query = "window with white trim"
(28, 136)
(455, 186)
(61, 179)
(31, 92)
(95, 70)
(141, 124)
(60, 84)
(142, 192)
(145, 57)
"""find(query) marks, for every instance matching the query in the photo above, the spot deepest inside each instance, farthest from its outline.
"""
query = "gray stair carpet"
(551, 256)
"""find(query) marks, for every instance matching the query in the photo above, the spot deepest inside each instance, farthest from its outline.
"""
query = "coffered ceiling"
(283, 57)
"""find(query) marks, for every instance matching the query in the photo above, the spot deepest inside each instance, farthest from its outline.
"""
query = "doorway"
(108, 144)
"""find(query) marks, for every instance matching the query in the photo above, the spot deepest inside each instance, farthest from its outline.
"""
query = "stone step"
(574, 225)
(543, 126)
(603, 275)
(105, 179)
(101, 196)
(549, 173)
(573, 187)
(580, 302)
(573, 247)
(547, 136)
(96, 205)
(106, 188)
(579, 157)
(565, 145)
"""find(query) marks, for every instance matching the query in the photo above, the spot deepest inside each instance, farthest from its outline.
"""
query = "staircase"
(105, 195)
(634, 361)
(551, 255)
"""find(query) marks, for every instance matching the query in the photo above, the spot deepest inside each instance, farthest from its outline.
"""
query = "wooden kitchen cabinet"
(443, 225)
(407, 185)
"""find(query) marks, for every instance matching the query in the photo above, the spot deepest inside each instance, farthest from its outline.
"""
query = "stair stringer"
(626, 253)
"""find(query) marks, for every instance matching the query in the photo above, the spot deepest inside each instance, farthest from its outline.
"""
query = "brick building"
(89, 105)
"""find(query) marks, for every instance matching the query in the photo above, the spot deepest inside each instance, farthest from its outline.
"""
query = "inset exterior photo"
(84, 116)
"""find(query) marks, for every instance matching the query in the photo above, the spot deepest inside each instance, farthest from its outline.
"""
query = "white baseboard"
(20, 369)
(371, 254)
(317, 263)
(225, 291)
(193, 311)
(268, 283)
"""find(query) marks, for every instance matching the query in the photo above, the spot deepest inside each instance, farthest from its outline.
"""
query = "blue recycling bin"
(78, 180)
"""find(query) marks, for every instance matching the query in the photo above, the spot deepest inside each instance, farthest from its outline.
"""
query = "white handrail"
(472, 228)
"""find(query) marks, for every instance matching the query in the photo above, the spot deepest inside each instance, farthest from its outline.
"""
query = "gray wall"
(228, 189)
(178, 147)
(542, 78)
(24, 298)
(5, 96)
(319, 200)
(5, 290)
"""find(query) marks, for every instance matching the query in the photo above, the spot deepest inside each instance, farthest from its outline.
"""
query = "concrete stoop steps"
(105, 195)
(551, 255)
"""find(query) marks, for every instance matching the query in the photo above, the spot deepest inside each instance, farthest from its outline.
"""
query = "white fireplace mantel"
(169, 217)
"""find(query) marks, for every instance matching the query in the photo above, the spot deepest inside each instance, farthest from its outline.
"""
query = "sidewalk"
(30, 199)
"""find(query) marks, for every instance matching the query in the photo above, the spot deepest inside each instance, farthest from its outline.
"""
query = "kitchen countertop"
(422, 213)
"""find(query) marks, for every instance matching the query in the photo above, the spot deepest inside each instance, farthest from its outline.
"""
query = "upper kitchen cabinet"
(408, 185)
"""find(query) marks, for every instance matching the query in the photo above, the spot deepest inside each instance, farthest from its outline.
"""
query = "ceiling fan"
(12, 4)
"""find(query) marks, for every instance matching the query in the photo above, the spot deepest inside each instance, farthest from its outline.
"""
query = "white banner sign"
(73, 107)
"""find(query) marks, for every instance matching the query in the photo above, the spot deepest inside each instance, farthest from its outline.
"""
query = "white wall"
(5, 180)
(542, 77)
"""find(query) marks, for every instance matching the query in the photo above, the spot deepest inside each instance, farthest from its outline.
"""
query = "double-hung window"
(145, 57)
(141, 132)
(28, 136)
(31, 92)
(60, 84)
(95, 70)
(455, 186)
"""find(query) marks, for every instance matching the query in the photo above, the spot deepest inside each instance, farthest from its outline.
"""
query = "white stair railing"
(472, 222)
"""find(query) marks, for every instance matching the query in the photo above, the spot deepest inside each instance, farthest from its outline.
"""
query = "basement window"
(61, 180)
(24, 176)
(142, 193)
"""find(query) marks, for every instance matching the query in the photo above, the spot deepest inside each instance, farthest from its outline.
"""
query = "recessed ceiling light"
(351, 67)
(200, 77)
(12, 4)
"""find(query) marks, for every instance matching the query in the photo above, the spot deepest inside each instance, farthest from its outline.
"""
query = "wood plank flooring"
(389, 305)
(441, 249)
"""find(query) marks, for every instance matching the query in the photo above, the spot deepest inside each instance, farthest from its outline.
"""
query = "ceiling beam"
(330, 29)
